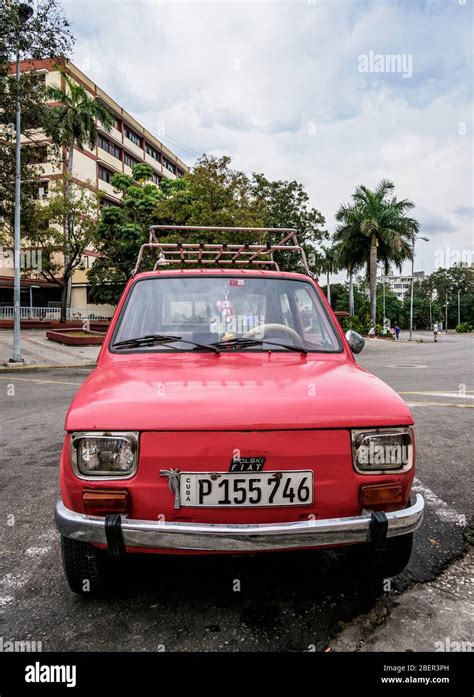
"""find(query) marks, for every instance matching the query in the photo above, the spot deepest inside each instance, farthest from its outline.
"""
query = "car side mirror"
(355, 341)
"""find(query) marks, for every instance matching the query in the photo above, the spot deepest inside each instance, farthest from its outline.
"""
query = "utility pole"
(383, 296)
(446, 311)
(425, 239)
(24, 14)
(412, 284)
(459, 306)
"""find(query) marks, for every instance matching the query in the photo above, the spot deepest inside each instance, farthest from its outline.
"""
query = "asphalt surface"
(292, 601)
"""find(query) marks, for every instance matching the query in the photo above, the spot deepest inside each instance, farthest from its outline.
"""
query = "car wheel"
(85, 567)
(388, 563)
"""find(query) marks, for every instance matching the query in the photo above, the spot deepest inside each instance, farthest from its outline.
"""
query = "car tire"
(85, 567)
(388, 563)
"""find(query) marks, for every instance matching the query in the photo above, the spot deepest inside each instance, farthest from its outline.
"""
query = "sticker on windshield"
(236, 282)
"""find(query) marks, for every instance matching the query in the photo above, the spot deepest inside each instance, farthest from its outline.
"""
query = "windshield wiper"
(243, 341)
(152, 339)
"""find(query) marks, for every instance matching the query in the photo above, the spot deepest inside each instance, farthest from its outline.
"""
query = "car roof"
(224, 272)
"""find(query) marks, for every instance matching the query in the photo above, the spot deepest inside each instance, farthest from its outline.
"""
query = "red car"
(227, 414)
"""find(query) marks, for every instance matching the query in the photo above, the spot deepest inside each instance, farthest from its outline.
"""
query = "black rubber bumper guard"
(378, 530)
(114, 535)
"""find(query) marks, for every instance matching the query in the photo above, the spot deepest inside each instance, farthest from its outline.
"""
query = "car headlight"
(104, 454)
(382, 449)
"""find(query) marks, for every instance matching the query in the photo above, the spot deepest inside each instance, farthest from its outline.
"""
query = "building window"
(131, 135)
(41, 190)
(105, 174)
(156, 179)
(179, 172)
(107, 203)
(152, 152)
(129, 160)
(36, 154)
(109, 147)
(38, 79)
(169, 165)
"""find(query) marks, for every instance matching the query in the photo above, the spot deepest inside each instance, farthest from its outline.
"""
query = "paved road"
(286, 601)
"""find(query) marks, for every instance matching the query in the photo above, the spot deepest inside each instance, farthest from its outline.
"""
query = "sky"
(333, 94)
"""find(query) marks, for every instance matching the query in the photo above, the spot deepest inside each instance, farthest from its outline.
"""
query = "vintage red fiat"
(227, 414)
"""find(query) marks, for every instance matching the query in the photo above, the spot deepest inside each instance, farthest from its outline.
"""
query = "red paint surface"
(194, 409)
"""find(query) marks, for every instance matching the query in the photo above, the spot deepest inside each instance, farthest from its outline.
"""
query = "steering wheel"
(262, 329)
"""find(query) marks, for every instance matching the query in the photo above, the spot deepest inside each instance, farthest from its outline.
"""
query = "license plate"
(249, 489)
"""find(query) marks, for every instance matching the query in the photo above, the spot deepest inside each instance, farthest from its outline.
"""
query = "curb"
(9, 369)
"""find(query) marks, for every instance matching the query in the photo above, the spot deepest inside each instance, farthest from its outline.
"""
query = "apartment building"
(400, 285)
(127, 143)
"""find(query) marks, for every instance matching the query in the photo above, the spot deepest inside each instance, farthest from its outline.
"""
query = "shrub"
(353, 323)
(463, 327)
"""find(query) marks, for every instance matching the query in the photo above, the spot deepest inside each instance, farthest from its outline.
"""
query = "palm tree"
(381, 219)
(71, 123)
(328, 265)
(349, 246)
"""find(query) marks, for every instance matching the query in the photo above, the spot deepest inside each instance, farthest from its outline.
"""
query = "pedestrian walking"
(435, 331)
(397, 332)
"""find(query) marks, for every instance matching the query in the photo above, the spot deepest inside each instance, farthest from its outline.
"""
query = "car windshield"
(211, 309)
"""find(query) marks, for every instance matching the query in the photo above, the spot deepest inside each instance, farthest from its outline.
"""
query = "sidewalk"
(37, 350)
(434, 616)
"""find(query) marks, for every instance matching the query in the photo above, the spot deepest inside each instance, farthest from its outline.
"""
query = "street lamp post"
(411, 284)
(383, 296)
(446, 312)
(24, 14)
(425, 239)
(459, 306)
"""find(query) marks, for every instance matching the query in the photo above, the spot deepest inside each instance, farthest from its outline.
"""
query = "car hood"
(238, 391)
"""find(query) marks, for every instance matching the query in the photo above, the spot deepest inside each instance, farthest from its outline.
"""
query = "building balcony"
(153, 163)
(108, 159)
(133, 149)
(108, 189)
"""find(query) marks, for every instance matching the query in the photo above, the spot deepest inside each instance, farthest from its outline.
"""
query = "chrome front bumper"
(237, 538)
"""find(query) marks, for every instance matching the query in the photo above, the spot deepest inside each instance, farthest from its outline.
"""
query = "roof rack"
(220, 254)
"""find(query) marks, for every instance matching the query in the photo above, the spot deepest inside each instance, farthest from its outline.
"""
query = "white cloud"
(256, 79)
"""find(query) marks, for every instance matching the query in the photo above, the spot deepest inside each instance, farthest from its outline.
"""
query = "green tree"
(45, 35)
(121, 231)
(73, 123)
(393, 306)
(60, 217)
(349, 248)
(285, 204)
(446, 284)
(382, 220)
(328, 264)
(213, 194)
